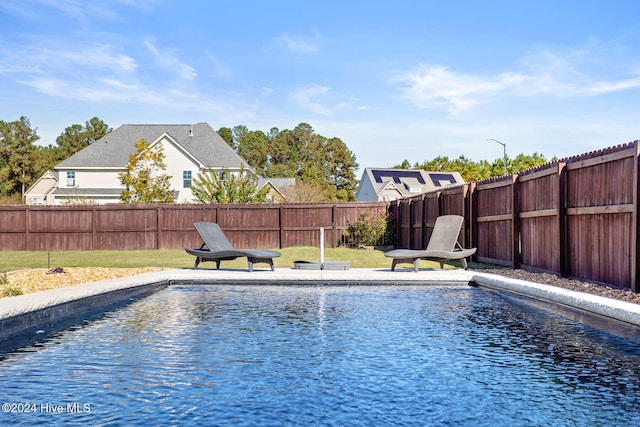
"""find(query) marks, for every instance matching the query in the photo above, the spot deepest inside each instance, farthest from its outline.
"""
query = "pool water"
(325, 355)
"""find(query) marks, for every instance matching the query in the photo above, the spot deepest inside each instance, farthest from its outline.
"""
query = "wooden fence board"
(14, 230)
(492, 221)
(539, 213)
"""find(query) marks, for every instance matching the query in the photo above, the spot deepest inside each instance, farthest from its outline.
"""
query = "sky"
(394, 80)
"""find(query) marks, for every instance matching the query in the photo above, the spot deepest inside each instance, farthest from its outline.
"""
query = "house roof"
(113, 149)
(44, 184)
(275, 182)
(93, 192)
(410, 182)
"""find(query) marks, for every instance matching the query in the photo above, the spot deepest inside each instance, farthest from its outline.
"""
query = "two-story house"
(91, 174)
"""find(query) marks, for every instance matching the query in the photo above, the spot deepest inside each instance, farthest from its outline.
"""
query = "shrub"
(7, 289)
(370, 230)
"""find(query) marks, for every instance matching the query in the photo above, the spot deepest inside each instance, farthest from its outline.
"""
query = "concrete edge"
(26, 312)
(608, 307)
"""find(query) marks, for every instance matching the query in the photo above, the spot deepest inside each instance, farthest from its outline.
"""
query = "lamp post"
(504, 147)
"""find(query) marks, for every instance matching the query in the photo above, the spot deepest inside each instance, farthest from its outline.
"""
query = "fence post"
(333, 225)
(93, 228)
(281, 225)
(562, 218)
(158, 227)
(473, 217)
(515, 221)
(27, 223)
(635, 273)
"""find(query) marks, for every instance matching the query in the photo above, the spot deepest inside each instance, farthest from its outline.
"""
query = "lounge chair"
(443, 246)
(216, 247)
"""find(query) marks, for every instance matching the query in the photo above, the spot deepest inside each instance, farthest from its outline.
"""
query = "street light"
(504, 147)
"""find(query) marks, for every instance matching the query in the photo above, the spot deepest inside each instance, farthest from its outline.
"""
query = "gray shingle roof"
(276, 182)
(113, 149)
(72, 191)
(410, 182)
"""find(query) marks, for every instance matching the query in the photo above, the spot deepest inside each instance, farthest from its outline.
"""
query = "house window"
(71, 178)
(186, 179)
(223, 175)
(35, 201)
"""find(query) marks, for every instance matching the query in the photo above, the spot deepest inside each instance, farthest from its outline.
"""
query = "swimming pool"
(325, 355)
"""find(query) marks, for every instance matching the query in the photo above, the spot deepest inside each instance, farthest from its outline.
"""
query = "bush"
(7, 289)
(371, 230)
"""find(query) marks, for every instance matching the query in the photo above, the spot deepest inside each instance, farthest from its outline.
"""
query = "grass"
(178, 258)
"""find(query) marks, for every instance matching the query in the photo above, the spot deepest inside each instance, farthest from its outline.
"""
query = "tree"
(253, 146)
(227, 135)
(478, 171)
(340, 170)
(313, 159)
(223, 186)
(303, 192)
(76, 137)
(143, 179)
(17, 156)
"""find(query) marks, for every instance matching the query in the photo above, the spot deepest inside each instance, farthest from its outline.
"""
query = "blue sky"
(394, 80)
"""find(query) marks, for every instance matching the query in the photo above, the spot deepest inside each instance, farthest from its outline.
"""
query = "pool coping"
(43, 309)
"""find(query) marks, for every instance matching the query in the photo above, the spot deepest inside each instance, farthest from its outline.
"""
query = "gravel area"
(574, 285)
(41, 279)
(34, 280)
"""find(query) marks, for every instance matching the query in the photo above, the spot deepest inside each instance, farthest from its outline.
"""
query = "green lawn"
(178, 258)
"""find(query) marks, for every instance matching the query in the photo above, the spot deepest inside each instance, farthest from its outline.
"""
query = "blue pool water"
(324, 355)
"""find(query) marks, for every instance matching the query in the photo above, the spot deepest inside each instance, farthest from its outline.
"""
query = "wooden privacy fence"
(169, 226)
(577, 217)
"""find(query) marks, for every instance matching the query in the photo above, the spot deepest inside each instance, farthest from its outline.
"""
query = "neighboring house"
(385, 185)
(276, 187)
(41, 192)
(91, 174)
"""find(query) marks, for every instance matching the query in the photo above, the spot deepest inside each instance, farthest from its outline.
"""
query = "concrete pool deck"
(42, 309)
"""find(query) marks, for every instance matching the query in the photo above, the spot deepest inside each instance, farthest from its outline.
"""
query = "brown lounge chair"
(216, 247)
(443, 246)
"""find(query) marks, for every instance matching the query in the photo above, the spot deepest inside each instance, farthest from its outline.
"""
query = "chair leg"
(195, 264)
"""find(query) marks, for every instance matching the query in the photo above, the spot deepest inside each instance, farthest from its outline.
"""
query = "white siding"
(177, 161)
(366, 192)
(94, 179)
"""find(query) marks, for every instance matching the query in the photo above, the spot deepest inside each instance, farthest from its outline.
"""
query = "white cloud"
(266, 91)
(101, 57)
(168, 60)
(436, 86)
(83, 12)
(307, 98)
(298, 44)
(46, 60)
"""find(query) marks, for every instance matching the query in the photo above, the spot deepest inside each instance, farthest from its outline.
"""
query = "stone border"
(608, 307)
(41, 310)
